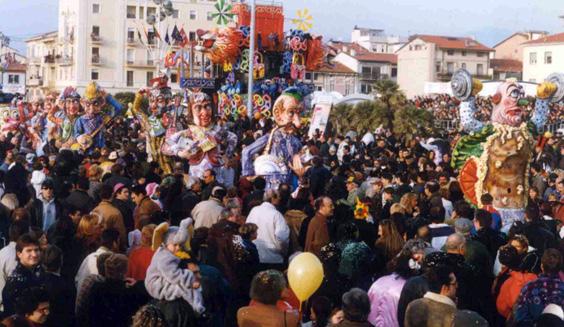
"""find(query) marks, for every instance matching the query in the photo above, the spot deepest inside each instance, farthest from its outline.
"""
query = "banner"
(319, 117)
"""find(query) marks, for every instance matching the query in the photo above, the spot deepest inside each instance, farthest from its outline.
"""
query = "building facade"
(41, 63)
(375, 40)
(334, 78)
(13, 78)
(507, 60)
(110, 41)
(431, 58)
(542, 57)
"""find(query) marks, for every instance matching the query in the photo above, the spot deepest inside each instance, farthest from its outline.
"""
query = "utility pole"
(251, 61)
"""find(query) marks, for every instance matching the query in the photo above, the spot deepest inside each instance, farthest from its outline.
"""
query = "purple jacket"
(384, 295)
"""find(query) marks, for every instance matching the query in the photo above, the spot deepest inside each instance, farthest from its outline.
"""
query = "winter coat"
(510, 290)
(165, 280)
(112, 218)
(433, 310)
(384, 296)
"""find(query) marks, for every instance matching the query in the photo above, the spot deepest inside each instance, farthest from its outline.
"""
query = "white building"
(99, 40)
(41, 64)
(542, 57)
(369, 66)
(431, 58)
(6, 50)
(13, 78)
(375, 40)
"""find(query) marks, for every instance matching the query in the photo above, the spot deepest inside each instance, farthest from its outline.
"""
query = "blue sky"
(488, 20)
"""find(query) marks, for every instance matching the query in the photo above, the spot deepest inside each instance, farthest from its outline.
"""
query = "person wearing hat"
(173, 286)
(89, 128)
(64, 120)
(352, 188)
(154, 122)
(45, 210)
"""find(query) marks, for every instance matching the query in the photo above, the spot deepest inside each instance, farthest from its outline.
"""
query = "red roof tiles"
(452, 42)
(554, 38)
(506, 65)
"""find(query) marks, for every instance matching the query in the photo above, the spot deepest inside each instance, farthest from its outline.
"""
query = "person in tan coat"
(145, 207)
(437, 308)
(111, 216)
(266, 290)
(317, 230)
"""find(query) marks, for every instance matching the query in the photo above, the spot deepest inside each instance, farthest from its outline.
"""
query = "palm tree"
(388, 93)
(410, 122)
(366, 115)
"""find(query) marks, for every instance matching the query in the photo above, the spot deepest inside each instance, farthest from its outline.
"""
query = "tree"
(125, 98)
(366, 115)
(390, 96)
(410, 121)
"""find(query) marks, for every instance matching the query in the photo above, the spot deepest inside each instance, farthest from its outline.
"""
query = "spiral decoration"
(558, 79)
(461, 84)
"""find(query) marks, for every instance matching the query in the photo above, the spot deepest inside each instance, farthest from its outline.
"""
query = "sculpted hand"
(546, 90)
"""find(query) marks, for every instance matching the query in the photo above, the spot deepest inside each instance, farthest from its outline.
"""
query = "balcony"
(64, 60)
(96, 60)
(49, 59)
(95, 38)
(34, 60)
(444, 76)
(370, 76)
(140, 64)
(35, 80)
(131, 41)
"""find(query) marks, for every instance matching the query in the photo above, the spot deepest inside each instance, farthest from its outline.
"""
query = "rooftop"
(43, 36)
(16, 67)
(452, 42)
(506, 65)
(335, 68)
(554, 38)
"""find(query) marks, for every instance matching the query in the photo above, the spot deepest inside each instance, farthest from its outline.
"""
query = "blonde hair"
(405, 201)
(95, 172)
(88, 226)
(396, 207)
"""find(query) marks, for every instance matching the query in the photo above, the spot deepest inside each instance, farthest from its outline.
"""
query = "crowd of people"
(112, 232)
(445, 107)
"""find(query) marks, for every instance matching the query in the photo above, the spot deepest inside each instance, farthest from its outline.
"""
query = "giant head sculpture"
(201, 108)
(509, 104)
(286, 111)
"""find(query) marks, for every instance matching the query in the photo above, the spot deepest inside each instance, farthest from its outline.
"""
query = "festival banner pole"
(251, 61)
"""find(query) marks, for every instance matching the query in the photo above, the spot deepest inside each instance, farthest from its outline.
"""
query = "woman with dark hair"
(389, 242)
(385, 292)
(320, 312)
(266, 289)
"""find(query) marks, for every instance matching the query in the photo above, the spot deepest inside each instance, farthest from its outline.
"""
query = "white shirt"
(448, 208)
(88, 267)
(8, 263)
(272, 235)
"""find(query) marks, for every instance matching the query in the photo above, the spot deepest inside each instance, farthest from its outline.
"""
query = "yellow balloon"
(305, 275)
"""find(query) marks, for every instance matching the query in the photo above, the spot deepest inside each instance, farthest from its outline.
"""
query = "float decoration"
(304, 20)
(223, 14)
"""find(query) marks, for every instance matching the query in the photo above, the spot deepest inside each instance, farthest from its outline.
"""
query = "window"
(450, 52)
(149, 58)
(13, 79)
(95, 55)
(417, 47)
(130, 35)
(464, 53)
(463, 66)
(94, 75)
(129, 78)
(331, 83)
(141, 12)
(149, 78)
(192, 36)
(209, 16)
(315, 76)
(438, 66)
(450, 67)
(95, 31)
(532, 58)
(481, 54)
(131, 12)
(480, 69)
(151, 11)
(174, 78)
(394, 72)
(192, 14)
(308, 76)
(130, 56)
(548, 57)
(95, 8)
(175, 13)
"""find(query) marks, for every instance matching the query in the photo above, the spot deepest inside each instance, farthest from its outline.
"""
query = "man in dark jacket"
(536, 231)
(15, 180)
(210, 182)
(124, 205)
(319, 176)
(255, 197)
(490, 238)
(62, 293)
(28, 272)
(46, 210)
(79, 197)
(112, 302)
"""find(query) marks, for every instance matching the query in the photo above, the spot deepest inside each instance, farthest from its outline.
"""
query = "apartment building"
(375, 40)
(507, 60)
(433, 58)
(110, 41)
(334, 78)
(542, 57)
(369, 66)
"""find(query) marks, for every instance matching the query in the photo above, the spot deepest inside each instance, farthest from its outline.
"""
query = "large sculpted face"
(508, 101)
(286, 112)
(202, 112)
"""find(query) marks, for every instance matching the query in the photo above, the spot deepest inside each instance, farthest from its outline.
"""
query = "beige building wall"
(415, 67)
(511, 48)
(536, 63)
(470, 60)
